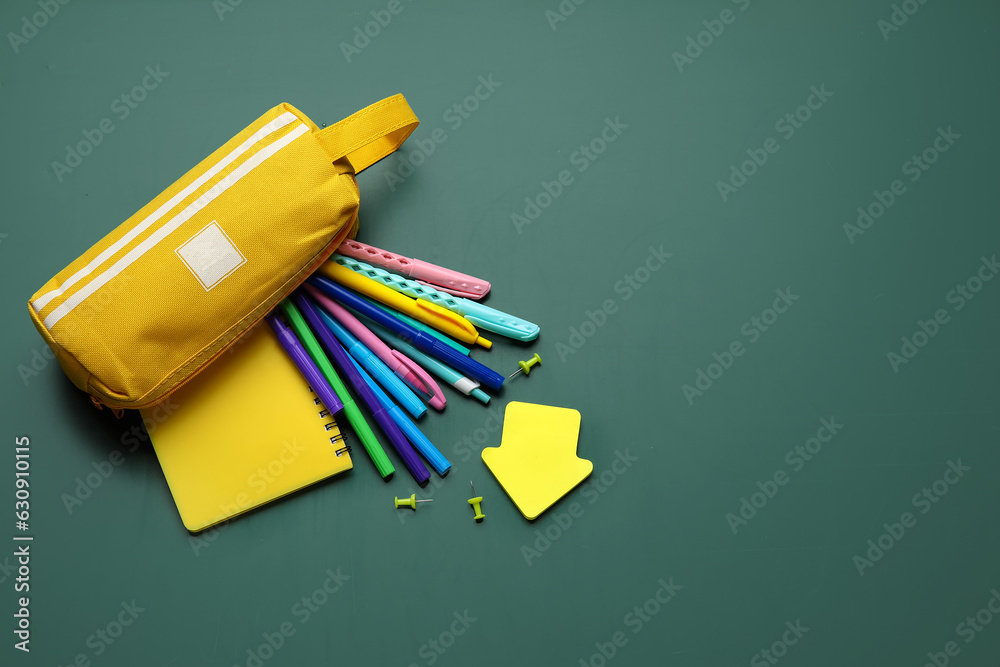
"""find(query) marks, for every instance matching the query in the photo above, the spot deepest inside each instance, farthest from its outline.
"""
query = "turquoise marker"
(375, 366)
(465, 385)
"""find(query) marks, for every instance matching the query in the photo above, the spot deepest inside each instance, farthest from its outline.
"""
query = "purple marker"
(340, 357)
(305, 363)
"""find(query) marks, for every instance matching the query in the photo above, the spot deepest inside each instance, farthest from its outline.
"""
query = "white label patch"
(210, 255)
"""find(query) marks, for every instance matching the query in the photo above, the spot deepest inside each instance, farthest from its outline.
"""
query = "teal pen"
(417, 324)
(374, 365)
(463, 384)
(419, 441)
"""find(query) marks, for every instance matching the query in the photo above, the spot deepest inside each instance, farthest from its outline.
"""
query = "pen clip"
(437, 399)
(432, 310)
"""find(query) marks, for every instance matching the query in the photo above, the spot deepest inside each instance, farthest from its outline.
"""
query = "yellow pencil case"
(161, 296)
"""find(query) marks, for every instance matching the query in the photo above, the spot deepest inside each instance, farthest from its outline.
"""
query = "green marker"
(354, 416)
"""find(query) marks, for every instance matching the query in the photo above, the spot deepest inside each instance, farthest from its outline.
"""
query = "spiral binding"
(346, 449)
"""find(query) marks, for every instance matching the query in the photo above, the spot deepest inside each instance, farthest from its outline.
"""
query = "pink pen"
(404, 367)
(446, 280)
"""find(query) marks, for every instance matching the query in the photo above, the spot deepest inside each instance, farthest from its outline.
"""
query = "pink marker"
(404, 367)
(446, 280)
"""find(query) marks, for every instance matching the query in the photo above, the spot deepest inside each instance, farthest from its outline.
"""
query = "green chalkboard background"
(788, 467)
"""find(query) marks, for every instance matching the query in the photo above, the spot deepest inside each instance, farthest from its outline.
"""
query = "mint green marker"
(351, 410)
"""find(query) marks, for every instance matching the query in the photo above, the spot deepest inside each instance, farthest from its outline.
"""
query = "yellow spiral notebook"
(245, 431)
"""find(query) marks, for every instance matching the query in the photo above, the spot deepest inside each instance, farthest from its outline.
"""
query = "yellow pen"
(429, 313)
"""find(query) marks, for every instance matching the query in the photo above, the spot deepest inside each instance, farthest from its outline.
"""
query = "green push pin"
(526, 365)
(475, 503)
(411, 502)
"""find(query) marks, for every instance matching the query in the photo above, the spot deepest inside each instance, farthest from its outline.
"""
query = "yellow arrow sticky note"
(536, 462)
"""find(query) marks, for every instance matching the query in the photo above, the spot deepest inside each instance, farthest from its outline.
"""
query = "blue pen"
(418, 339)
(426, 448)
(432, 365)
(343, 360)
(375, 366)
(417, 324)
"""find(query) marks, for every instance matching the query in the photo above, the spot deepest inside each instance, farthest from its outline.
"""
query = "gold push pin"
(475, 503)
(526, 365)
(411, 502)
